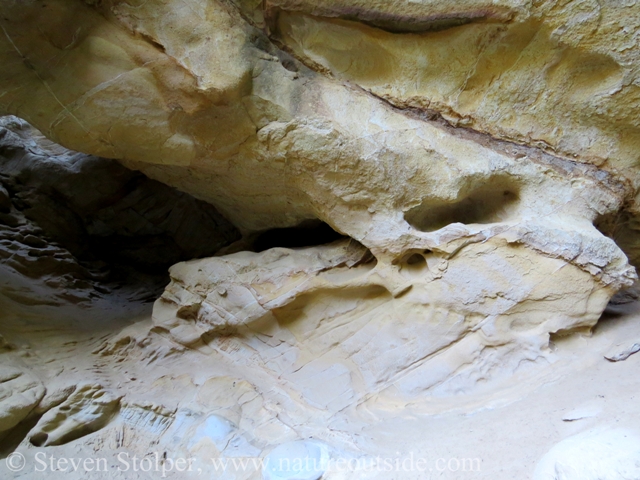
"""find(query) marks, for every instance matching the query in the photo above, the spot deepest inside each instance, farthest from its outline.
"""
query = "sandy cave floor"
(581, 392)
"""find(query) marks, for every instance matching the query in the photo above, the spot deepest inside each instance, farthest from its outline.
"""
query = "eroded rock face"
(20, 392)
(87, 409)
(561, 76)
(458, 325)
(267, 140)
(271, 146)
(486, 241)
(600, 453)
(84, 226)
(468, 150)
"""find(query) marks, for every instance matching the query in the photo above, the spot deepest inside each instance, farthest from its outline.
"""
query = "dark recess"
(308, 234)
(77, 221)
(496, 200)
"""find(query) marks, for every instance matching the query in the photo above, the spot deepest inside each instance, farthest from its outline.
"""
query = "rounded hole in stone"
(188, 312)
(39, 439)
(416, 260)
(413, 264)
(497, 200)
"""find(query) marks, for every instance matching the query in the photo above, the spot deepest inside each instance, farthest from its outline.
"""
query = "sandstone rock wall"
(477, 161)
(82, 225)
(443, 138)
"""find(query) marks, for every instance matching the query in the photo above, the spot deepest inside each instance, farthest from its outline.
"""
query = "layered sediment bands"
(556, 76)
(459, 326)
(218, 133)
(82, 225)
(433, 201)
(401, 17)
(200, 98)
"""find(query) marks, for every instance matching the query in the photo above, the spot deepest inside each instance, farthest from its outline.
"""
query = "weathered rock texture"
(271, 142)
(84, 225)
(206, 97)
(481, 157)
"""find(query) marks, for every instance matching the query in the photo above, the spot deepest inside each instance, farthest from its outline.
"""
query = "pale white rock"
(215, 428)
(586, 410)
(300, 460)
(620, 353)
(599, 454)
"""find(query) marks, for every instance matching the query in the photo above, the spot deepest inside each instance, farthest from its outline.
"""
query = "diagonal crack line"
(44, 82)
(415, 364)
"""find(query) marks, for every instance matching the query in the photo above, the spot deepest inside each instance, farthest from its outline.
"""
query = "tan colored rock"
(457, 322)
(88, 409)
(561, 76)
(467, 149)
(243, 136)
(20, 393)
(198, 97)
